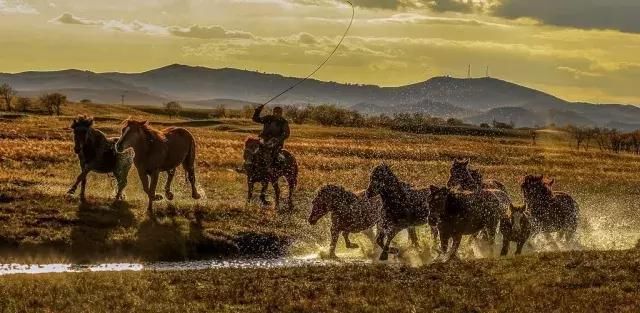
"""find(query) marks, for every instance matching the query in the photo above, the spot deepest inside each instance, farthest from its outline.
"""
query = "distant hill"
(479, 99)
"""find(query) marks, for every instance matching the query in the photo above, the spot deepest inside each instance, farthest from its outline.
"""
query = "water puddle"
(308, 260)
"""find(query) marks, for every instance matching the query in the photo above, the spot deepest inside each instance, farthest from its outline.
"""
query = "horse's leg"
(505, 246)
(167, 186)
(385, 250)
(83, 187)
(189, 165)
(434, 236)
(413, 237)
(519, 246)
(291, 182)
(454, 247)
(334, 241)
(348, 242)
(444, 243)
(121, 179)
(249, 190)
(276, 192)
(263, 192)
(153, 183)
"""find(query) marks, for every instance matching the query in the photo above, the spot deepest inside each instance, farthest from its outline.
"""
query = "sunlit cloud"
(16, 7)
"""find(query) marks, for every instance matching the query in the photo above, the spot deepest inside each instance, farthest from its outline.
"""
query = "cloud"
(16, 7)
(621, 15)
(195, 31)
(578, 73)
(463, 6)
(208, 32)
(414, 18)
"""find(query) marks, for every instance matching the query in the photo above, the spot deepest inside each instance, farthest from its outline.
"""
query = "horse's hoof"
(196, 196)
(157, 197)
(353, 246)
(384, 256)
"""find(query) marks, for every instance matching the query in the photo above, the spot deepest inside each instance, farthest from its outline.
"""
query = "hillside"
(473, 99)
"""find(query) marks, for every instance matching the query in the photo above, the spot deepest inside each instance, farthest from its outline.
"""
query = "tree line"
(605, 139)
(50, 102)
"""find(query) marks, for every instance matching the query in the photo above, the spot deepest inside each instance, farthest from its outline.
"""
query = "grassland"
(548, 282)
(37, 165)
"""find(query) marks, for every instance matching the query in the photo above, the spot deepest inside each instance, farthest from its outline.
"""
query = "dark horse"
(256, 165)
(350, 213)
(96, 153)
(159, 151)
(464, 213)
(403, 206)
(551, 211)
(516, 227)
(470, 180)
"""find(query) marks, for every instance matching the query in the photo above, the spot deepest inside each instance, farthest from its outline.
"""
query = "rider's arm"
(285, 131)
(256, 114)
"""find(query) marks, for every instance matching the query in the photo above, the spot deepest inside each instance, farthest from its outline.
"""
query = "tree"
(581, 135)
(53, 101)
(7, 93)
(172, 108)
(23, 104)
(85, 101)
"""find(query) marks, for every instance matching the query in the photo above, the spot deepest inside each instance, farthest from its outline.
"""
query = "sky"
(579, 50)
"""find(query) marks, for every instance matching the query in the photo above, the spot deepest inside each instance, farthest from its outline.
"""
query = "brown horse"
(551, 211)
(516, 227)
(350, 213)
(470, 180)
(96, 153)
(257, 158)
(464, 213)
(159, 151)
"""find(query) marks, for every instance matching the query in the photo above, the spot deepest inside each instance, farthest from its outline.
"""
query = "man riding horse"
(275, 131)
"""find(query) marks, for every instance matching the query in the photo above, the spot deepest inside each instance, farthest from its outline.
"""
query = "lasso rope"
(353, 13)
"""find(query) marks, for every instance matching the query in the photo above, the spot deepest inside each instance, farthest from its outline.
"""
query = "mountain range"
(476, 100)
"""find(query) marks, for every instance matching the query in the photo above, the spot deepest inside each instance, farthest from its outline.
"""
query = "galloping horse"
(350, 213)
(256, 165)
(96, 153)
(464, 213)
(551, 211)
(159, 151)
(403, 206)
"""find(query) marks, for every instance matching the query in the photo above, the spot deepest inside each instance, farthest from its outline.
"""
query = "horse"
(551, 211)
(350, 213)
(403, 206)
(515, 227)
(159, 151)
(257, 158)
(96, 153)
(467, 179)
(459, 213)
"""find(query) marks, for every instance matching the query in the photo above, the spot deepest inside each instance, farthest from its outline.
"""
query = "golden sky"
(581, 50)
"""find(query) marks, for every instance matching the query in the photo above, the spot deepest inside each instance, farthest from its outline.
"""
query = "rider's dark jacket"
(273, 127)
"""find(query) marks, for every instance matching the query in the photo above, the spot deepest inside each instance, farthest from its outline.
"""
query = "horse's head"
(81, 127)
(322, 203)
(517, 214)
(459, 173)
(252, 146)
(132, 132)
(381, 177)
(535, 185)
(438, 201)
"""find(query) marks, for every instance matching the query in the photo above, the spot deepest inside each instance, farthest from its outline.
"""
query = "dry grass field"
(37, 166)
(39, 224)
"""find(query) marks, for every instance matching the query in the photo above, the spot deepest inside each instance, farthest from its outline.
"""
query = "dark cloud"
(622, 15)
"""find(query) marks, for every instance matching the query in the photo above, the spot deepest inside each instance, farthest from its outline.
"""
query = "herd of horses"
(467, 205)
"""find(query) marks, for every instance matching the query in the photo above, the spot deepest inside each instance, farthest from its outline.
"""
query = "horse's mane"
(148, 130)
(84, 121)
(251, 139)
(337, 190)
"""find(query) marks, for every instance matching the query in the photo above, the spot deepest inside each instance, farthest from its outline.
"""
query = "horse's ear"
(549, 181)
(465, 161)
(145, 122)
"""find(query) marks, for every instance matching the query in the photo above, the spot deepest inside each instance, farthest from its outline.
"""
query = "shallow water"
(307, 260)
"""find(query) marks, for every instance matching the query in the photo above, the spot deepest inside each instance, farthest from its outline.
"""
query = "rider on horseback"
(275, 131)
